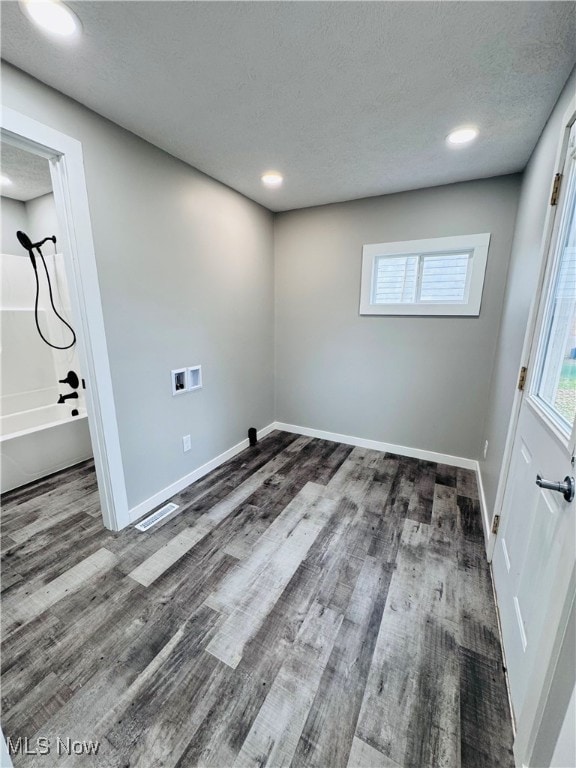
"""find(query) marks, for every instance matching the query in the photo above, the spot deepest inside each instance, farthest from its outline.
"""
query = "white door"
(535, 554)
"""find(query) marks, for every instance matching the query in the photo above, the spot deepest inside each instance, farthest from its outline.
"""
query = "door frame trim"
(527, 347)
(65, 157)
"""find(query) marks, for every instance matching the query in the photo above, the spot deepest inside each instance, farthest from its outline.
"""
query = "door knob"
(566, 488)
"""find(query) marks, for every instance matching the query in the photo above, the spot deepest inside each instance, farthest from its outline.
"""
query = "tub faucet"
(71, 396)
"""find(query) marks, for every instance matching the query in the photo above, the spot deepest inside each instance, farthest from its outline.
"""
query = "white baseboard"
(158, 498)
(486, 518)
(376, 445)
(154, 501)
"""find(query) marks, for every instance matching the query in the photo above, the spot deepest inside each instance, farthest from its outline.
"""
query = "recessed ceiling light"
(462, 136)
(272, 179)
(5, 181)
(52, 16)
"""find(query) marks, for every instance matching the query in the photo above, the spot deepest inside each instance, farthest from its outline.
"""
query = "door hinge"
(522, 378)
(556, 189)
(495, 523)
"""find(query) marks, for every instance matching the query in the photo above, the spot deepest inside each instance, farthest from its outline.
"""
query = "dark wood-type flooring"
(311, 604)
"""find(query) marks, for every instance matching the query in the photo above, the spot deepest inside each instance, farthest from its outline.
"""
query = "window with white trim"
(440, 276)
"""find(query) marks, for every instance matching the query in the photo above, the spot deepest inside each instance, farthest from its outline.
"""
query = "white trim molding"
(159, 498)
(377, 445)
(486, 516)
(64, 154)
(473, 247)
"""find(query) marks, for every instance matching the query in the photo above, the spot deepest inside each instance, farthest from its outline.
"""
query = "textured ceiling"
(346, 99)
(29, 174)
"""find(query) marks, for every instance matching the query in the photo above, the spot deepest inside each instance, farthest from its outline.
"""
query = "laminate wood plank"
(484, 710)
(233, 589)
(97, 627)
(478, 619)
(119, 630)
(45, 522)
(356, 472)
(9, 578)
(235, 697)
(389, 501)
(38, 488)
(344, 548)
(237, 704)
(37, 706)
(151, 723)
(130, 651)
(201, 496)
(362, 755)
(444, 519)
(332, 463)
(433, 733)
(329, 729)
(277, 492)
(386, 469)
(255, 521)
(446, 475)
(237, 469)
(414, 640)
(183, 542)
(49, 555)
(348, 539)
(470, 519)
(70, 581)
(39, 496)
(244, 490)
(466, 483)
(21, 641)
(274, 495)
(166, 556)
(75, 493)
(245, 620)
(275, 733)
(62, 640)
(124, 702)
(6, 542)
(49, 546)
(420, 504)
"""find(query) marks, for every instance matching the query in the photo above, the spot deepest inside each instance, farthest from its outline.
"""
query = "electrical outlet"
(485, 448)
(187, 443)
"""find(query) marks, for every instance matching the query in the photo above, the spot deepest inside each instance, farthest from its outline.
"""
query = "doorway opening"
(44, 422)
(62, 399)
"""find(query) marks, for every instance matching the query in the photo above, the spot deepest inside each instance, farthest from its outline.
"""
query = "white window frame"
(476, 245)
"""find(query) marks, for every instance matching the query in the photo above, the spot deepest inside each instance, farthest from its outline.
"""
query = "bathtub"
(39, 441)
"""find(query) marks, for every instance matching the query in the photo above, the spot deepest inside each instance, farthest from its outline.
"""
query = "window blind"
(421, 278)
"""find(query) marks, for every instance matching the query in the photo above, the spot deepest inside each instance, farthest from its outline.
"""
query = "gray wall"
(417, 382)
(43, 219)
(520, 289)
(185, 267)
(14, 217)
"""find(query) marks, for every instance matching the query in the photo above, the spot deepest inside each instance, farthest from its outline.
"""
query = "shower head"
(24, 240)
